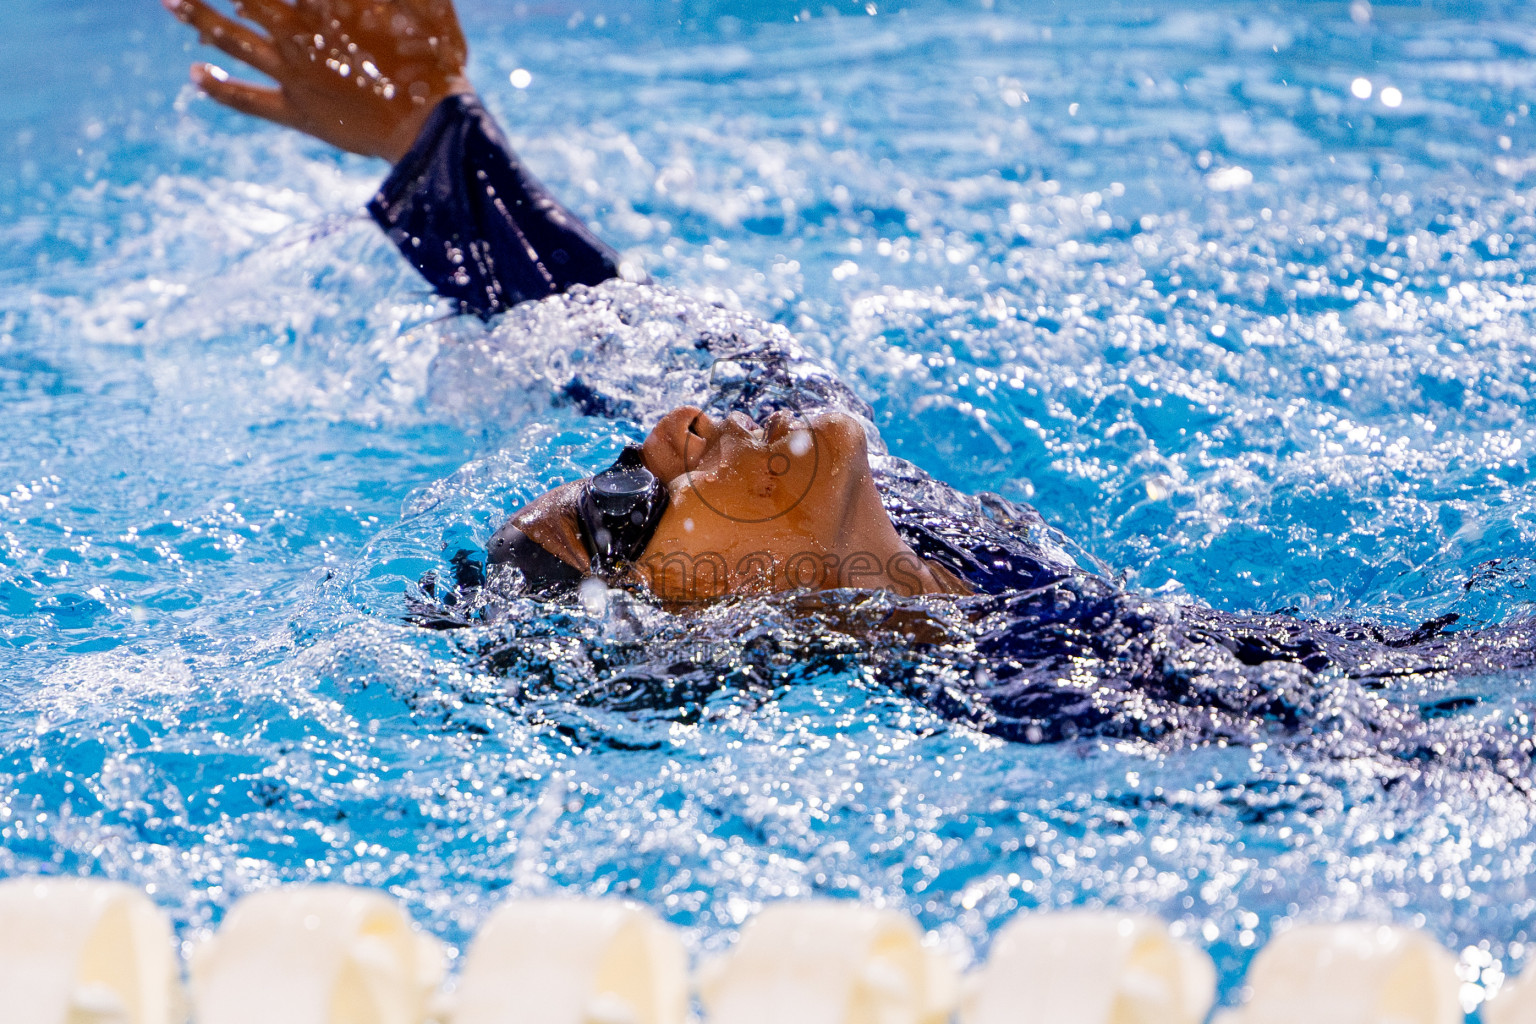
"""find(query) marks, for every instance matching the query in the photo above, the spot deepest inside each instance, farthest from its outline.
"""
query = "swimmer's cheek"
(687, 578)
(665, 449)
(669, 577)
(861, 570)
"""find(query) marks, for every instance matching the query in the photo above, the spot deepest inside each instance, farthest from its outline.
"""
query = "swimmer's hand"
(360, 74)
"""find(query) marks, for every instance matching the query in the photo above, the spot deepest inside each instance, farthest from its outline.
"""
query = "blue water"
(1251, 340)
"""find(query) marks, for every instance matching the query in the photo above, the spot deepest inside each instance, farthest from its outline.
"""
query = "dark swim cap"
(618, 511)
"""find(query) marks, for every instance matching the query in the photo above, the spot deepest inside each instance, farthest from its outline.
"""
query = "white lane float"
(316, 954)
(85, 951)
(1354, 973)
(1090, 967)
(828, 962)
(572, 961)
(1516, 1001)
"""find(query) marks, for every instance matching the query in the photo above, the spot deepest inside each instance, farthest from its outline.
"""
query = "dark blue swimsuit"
(477, 225)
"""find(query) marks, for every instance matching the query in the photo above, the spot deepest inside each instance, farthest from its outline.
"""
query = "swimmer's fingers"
(313, 12)
(230, 36)
(440, 23)
(440, 16)
(267, 104)
(275, 16)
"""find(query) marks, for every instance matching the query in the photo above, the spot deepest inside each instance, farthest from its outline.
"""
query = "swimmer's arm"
(463, 210)
(386, 78)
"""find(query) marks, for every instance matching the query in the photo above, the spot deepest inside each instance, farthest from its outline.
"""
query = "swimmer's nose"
(779, 424)
(743, 423)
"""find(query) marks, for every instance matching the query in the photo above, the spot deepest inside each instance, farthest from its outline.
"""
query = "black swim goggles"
(616, 515)
(618, 511)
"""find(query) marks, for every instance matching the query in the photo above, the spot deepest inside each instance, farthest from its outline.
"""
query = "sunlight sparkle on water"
(1163, 279)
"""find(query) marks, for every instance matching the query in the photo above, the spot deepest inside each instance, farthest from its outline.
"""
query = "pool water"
(1236, 297)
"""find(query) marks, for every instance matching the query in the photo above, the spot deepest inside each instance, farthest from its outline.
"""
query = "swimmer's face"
(748, 472)
(785, 504)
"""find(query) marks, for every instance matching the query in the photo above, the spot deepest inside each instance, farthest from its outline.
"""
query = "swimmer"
(706, 507)
(751, 495)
